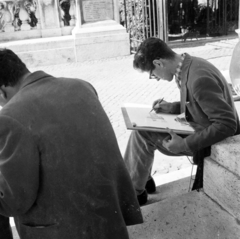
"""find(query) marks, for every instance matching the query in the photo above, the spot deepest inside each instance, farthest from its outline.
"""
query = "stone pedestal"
(101, 41)
(98, 34)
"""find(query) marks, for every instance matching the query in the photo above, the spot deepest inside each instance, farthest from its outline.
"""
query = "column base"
(96, 41)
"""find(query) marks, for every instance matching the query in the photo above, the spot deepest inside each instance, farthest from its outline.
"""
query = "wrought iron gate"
(166, 18)
(143, 20)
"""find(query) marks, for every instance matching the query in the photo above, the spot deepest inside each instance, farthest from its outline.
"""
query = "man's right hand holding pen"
(162, 106)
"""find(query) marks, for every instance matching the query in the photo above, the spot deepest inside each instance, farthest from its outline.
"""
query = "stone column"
(49, 15)
(98, 33)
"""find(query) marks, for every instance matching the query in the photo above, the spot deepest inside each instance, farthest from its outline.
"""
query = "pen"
(158, 102)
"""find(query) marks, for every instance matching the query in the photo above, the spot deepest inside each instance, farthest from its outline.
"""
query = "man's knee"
(147, 135)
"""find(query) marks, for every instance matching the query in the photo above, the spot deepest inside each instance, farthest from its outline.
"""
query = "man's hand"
(173, 143)
(163, 107)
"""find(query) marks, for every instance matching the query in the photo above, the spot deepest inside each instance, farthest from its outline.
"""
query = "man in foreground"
(206, 101)
(61, 171)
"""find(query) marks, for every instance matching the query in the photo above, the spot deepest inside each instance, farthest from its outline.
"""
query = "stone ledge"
(45, 51)
(39, 44)
(47, 57)
(227, 152)
(87, 44)
(222, 186)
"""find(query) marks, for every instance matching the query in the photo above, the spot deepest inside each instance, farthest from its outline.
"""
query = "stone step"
(43, 51)
(97, 41)
(190, 216)
(172, 184)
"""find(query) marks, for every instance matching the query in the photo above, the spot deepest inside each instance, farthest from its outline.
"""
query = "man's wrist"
(185, 146)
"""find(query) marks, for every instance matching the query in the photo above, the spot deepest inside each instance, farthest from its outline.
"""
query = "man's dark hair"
(11, 68)
(150, 49)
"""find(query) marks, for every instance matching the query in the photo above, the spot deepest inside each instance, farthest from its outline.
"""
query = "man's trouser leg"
(5, 228)
(139, 155)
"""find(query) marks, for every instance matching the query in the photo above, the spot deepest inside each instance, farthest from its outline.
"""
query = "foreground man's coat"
(61, 172)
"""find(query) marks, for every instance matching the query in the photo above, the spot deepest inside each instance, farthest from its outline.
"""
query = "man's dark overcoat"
(62, 174)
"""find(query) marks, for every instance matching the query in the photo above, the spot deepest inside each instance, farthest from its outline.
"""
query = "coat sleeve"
(19, 168)
(175, 108)
(209, 95)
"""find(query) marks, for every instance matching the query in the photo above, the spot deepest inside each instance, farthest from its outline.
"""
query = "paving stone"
(190, 216)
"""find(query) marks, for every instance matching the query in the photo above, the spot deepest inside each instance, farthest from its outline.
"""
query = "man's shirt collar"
(179, 70)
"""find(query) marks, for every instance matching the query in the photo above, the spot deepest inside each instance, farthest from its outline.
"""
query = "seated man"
(61, 172)
(206, 101)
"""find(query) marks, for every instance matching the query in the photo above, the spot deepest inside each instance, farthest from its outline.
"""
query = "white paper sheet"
(140, 116)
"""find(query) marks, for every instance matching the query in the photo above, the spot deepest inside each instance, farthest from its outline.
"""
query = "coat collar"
(184, 79)
(33, 77)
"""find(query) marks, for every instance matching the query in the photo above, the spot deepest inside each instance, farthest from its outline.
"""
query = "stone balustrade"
(25, 19)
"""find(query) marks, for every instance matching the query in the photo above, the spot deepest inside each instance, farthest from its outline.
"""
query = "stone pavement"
(117, 82)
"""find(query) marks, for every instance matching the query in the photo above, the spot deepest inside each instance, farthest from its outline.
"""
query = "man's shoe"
(150, 186)
(142, 198)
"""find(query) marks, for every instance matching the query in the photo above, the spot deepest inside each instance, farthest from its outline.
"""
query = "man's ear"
(3, 94)
(158, 63)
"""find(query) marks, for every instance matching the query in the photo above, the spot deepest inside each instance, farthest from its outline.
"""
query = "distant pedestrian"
(61, 172)
(206, 101)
